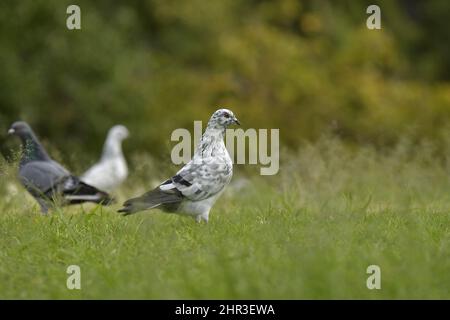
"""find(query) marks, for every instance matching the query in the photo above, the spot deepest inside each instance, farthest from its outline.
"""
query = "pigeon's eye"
(226, 115)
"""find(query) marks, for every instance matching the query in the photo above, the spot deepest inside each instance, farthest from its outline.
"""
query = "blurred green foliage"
(306, 67)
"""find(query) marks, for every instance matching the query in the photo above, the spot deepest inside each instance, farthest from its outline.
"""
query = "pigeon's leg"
(205, 216)
(43, 204)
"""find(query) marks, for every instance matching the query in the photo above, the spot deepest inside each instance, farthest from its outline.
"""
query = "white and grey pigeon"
(111, 171)
(197, 186)
(45, 179)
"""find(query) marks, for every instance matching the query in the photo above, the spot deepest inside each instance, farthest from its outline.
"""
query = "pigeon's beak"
(237, 121)
(11, 131)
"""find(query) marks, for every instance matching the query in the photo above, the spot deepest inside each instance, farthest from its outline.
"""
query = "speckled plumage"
(196, 187)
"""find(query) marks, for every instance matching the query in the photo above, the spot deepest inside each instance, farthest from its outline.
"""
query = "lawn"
(308, 233)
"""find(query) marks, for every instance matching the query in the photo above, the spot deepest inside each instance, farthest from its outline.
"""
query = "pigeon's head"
(119, 132)
(20, 129)
(222, 118)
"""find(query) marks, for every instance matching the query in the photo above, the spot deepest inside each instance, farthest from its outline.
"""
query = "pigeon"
(111, 171)
(196, 187)
(45, 179)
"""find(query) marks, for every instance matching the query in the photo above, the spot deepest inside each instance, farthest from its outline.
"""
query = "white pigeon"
(196, 187)
(111, 170)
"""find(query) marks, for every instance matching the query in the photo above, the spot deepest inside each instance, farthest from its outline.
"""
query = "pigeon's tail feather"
(152, 199)
(82, 192)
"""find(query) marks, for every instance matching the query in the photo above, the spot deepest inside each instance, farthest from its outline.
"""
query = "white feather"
(111, 171)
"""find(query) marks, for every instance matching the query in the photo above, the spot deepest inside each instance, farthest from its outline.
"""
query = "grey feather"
(168, 200)
(41, 176)
(48, 181)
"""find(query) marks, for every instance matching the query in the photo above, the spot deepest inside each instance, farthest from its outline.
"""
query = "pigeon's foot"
(201, 218)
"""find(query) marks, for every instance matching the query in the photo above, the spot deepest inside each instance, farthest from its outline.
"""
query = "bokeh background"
(364, 120)
(306, 67)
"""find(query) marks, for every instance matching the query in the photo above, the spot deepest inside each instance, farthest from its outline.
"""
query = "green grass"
(308, 233)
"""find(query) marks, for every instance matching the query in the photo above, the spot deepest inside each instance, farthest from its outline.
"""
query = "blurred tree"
(306, 67)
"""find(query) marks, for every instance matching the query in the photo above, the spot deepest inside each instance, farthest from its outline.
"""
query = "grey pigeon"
(111, 171)
(197, 186)
(45, 179)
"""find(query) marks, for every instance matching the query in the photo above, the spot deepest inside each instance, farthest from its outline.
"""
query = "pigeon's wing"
(197, 180)
(75, 191)
(201, 179)
(168, 199)
(39, 177)
(44, 178)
